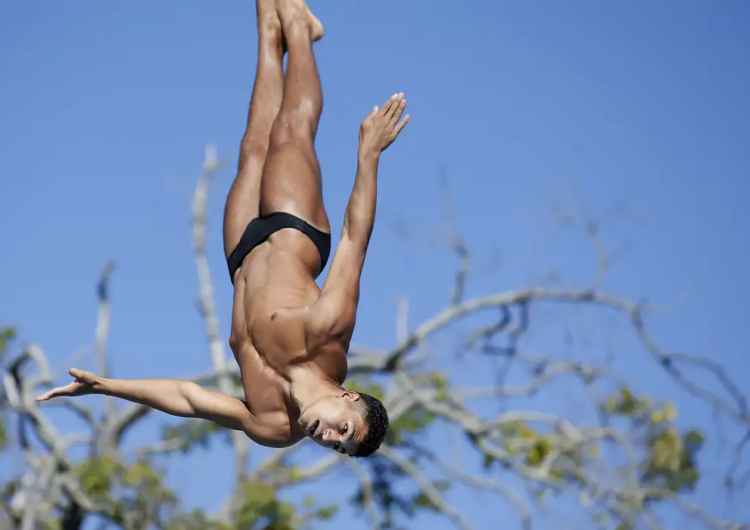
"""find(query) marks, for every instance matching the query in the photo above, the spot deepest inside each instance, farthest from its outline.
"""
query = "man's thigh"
(292, 183)
(243, 202)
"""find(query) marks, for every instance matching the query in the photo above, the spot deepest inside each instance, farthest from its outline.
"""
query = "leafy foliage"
(136, 489)
(670, 460)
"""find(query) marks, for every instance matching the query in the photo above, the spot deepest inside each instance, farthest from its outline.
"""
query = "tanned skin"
(289, 337)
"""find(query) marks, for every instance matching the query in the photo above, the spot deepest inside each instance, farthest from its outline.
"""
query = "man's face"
(337, 422)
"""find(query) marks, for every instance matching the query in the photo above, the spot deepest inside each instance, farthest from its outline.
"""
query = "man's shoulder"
(274, 429)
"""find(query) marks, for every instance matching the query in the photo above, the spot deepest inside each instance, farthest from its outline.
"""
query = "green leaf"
(411, 422)
(327, 512)
(6, 337)
(96, 475)
(423, 501)
(538, 452)
(693, 439)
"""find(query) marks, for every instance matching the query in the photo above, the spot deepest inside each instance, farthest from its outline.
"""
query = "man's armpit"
(272, 430)
(332, 317)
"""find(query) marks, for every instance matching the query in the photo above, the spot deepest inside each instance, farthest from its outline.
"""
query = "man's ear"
(350, 395)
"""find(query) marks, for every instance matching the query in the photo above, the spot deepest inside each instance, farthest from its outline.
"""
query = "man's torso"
(274, 290)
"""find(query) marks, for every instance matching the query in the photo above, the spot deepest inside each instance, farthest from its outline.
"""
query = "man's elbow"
(358, 228)
(190, 394)
(353, 246)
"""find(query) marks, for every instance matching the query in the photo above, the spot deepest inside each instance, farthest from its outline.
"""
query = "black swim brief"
(261, 228)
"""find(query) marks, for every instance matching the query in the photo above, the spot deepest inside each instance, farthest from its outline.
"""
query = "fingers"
(401, 126)
(82, 381)
(46, 395)
(398, 111)
(389, 105)
(385, 124)
(393, 105)
(58, 392)
(83, 375)
(385, 108)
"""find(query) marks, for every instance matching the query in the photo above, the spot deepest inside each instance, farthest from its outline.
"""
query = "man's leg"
(243, 202)
(291, 178)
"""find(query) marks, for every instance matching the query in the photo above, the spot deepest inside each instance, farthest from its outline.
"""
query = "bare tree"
(620, 459)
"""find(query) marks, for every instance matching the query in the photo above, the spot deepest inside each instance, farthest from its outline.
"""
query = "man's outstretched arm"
(336, 309)
(172, 396)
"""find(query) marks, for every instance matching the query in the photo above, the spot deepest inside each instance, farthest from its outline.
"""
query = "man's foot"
(268, 19)
(293, 9)
(316, 28)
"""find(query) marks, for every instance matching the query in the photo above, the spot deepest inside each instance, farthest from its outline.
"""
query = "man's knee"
(253, 152)
(296, 125)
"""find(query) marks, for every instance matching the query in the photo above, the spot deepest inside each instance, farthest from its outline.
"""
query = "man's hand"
(381, 127)
(85, 383)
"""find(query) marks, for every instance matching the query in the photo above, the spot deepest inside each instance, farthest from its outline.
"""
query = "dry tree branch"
(285, 476)
(736, 460)
(554, 370)
(455, 241)
(128, 420)
(519, 297)
(31, 353)
(274, 461)
(566, 439)
(100, 336)
(20, 393)
(528, 295)
(240, 442)
(83, 413)
(476, 482)
(738, 410)
(713, 522)
(427, 488)
(365, 480)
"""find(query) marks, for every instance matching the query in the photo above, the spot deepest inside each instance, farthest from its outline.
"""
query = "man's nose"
(329, 436)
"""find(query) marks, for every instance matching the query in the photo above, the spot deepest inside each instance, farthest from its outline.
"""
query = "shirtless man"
(289, 337)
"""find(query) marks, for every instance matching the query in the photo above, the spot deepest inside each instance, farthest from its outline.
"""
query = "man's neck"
(310, 385)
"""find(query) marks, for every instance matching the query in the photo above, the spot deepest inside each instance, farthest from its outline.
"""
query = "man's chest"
(262, 382)
(279, 339)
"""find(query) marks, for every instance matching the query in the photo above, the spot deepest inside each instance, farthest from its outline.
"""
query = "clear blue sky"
(105, 109)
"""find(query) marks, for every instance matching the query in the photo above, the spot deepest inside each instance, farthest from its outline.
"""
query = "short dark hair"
(376, 417)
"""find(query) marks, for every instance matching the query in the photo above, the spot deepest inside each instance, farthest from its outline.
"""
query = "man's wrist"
(102, 386)
(368, 155)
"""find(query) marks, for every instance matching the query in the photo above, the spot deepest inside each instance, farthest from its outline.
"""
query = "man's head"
(348, 422)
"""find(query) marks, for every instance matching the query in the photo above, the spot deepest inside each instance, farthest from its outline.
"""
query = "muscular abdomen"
(273, 290)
